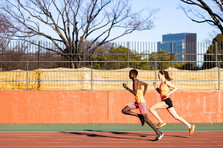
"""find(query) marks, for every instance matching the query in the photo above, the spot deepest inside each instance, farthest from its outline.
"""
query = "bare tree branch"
(73, 22)
(213, 10)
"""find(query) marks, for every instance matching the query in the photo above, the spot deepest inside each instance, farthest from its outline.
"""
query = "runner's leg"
(160, 105)
(173, 112)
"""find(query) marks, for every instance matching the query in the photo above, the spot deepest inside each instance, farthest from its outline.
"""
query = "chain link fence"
(87, 78)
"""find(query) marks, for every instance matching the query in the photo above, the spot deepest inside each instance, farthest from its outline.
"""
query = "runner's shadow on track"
(121, 133)
(176, 136)
(134, 134)
(118, 135)
(105, 134)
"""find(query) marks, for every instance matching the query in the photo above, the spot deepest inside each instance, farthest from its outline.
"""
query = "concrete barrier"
(103, 106)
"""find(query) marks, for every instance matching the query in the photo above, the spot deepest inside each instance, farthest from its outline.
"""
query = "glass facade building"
(183, 45)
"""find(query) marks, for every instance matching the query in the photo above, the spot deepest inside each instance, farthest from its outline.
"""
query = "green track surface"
(103, 127)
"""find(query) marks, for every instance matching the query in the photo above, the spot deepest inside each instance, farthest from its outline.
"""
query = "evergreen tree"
(214, 53)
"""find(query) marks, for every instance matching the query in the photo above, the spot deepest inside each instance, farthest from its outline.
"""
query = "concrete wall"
(103, 106)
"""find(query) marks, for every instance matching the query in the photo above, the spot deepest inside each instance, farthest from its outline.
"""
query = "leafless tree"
(5, 31)
(70, 23)
(209, 11)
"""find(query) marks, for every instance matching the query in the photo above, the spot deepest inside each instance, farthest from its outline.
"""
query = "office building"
(183, 45)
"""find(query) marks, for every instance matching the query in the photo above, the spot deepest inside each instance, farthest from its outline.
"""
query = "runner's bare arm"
(172, 87)
(145, 87)
(127, 88)
(156, 87)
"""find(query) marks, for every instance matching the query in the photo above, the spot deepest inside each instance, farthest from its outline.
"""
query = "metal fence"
(88, 78)
(27, 67)
(139, 47)
(140, 51)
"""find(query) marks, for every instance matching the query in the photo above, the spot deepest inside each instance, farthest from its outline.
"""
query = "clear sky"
(169, 19)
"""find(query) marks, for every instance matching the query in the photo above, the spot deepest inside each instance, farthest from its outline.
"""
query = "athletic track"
(96, 139)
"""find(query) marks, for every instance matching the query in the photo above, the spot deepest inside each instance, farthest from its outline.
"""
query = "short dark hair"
(133, 71)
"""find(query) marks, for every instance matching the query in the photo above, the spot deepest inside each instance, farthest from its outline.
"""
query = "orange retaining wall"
(102, 106)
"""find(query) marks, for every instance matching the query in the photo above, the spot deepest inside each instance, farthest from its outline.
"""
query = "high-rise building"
(183, 45)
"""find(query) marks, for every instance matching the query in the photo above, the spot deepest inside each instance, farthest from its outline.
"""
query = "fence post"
(128, 47)
(172, 51)
(91, 75)
(38, 54)
(27, 75)
(217, 64)
(216, 54)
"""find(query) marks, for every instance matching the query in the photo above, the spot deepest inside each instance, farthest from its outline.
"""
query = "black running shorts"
(168, 101)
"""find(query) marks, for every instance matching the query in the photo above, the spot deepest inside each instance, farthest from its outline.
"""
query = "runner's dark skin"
(137, 85)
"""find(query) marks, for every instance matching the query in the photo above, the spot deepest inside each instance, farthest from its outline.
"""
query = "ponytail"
(166, 75)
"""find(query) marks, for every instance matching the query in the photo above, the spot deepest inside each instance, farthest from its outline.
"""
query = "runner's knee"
(124, 111)
(151, 109)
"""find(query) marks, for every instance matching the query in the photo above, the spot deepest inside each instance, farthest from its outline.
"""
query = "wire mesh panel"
(193, 66)
(87, 78)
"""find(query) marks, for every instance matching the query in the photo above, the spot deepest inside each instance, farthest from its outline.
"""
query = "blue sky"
(169, 19)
